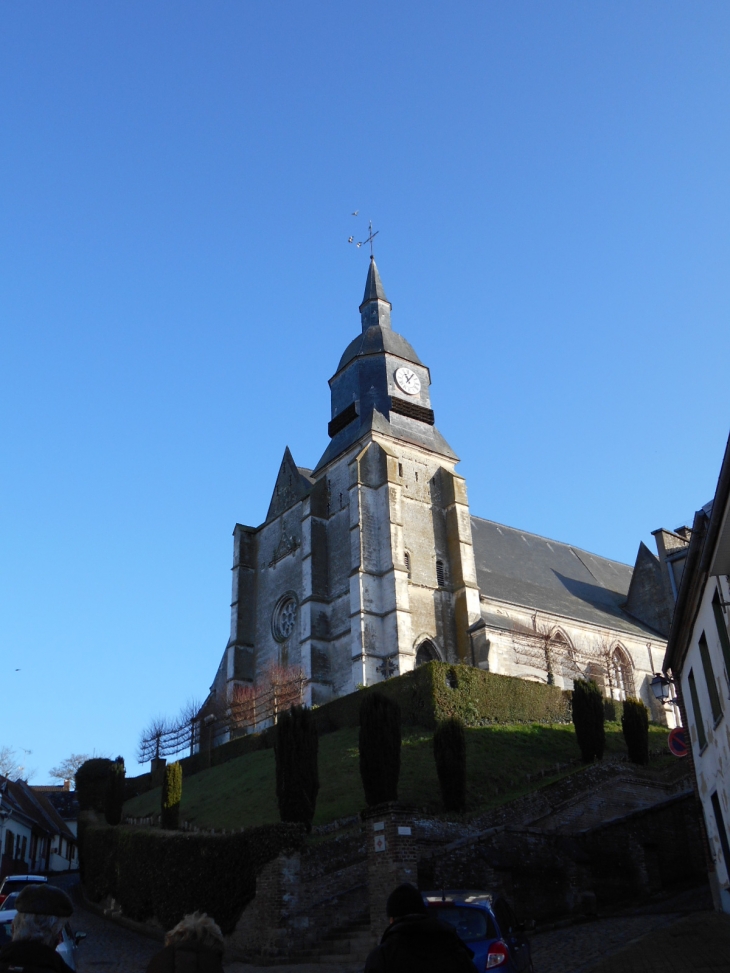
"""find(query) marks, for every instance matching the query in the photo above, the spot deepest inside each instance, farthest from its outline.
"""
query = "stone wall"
(548, 875)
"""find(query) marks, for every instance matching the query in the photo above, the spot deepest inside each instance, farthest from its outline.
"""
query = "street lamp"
(660, 687)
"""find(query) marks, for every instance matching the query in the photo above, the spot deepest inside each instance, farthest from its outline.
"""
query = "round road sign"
(678, 741)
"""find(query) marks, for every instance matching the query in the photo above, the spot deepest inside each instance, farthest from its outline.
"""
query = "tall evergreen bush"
(92, 784)
(449, 750)
(171, 797)
(380, 739)
(115, 792)
(635, 726)
(296, 745)
(588, 719)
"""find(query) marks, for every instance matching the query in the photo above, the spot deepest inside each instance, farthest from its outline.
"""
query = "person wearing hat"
(416, 943)
(41, 912)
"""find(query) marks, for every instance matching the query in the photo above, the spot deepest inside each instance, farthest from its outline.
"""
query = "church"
(372, 563)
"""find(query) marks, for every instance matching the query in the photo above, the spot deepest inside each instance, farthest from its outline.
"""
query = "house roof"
(18, 797)
(65, 802)
(521, 568)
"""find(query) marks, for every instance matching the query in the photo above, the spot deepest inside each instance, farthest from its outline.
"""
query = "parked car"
(14, 883)
(68, 941)
(487, 926)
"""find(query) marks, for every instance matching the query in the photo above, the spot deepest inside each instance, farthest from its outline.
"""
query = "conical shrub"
(115, 792)
(588, 719)
(380, 740)
(171, 797)
(449, 750)
(296, 746)
(635, 726)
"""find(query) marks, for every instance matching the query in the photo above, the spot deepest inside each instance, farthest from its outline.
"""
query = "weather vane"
(368, 239)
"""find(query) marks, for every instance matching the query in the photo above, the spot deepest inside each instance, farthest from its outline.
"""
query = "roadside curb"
(142, 928)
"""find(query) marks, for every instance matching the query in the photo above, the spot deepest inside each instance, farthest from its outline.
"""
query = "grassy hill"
(241, 793)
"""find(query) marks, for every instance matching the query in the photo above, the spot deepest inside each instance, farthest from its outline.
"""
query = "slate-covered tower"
(364, 565)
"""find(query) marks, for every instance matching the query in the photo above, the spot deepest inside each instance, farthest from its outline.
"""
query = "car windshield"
(9, 902)
(470, 923)
(14, 885)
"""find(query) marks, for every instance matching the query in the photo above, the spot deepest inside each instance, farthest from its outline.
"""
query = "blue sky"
(176, 179)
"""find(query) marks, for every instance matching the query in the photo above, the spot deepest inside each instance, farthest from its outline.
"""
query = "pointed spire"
(375, 307)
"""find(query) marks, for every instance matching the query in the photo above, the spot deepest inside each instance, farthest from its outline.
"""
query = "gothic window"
(407, 557)
(426, 653)
(621, 674)
(597, 674)
(284, 617)
(440, 575)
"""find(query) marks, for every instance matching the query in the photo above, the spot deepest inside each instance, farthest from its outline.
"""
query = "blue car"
(487, 926)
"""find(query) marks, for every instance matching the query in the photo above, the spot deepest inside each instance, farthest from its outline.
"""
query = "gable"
(292, 483)
(647, 598)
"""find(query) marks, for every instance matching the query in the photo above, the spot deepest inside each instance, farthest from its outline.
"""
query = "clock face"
(407, 380)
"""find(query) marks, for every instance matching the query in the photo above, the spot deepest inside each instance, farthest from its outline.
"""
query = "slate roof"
(375, 341)
(374, 290)
(526, 569)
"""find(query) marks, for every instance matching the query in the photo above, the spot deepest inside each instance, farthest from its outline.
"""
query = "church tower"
(364, 567)
(410, 593)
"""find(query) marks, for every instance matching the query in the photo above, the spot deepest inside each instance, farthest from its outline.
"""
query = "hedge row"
(432, 693)
(166, 875)
(202, 761)
(438, 691)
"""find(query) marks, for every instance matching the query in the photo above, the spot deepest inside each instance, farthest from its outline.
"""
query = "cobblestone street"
(110, 948)
(654, 942)
(576, 949)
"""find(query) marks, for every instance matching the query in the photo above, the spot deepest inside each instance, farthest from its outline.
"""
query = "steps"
(345, 946)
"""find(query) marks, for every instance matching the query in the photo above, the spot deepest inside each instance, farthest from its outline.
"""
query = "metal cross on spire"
(368, 239)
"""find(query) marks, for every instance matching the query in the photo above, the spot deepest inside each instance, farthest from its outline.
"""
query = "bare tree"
(11, 767)
(150, 744)
(541, 642)
(66, 770)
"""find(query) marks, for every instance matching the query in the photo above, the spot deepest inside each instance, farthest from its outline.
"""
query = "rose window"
(285, 617)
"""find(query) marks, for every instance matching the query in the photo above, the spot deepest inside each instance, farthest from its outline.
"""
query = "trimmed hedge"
(449, 750)
(92, 784)
(296, 747)
(588, 719)
(170, 797)
(115, 792)
(379, 745)
(635, 727)
(438, 691)
(427, 696)
(166, 875)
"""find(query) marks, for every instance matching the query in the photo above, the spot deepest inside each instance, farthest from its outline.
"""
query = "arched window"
(597, 673)
(621, 674)
(426, 653)
(407, 557)
(440, 575)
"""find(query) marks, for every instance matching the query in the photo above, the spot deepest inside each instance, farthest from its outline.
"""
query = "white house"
(33, 836)
(698, 659)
